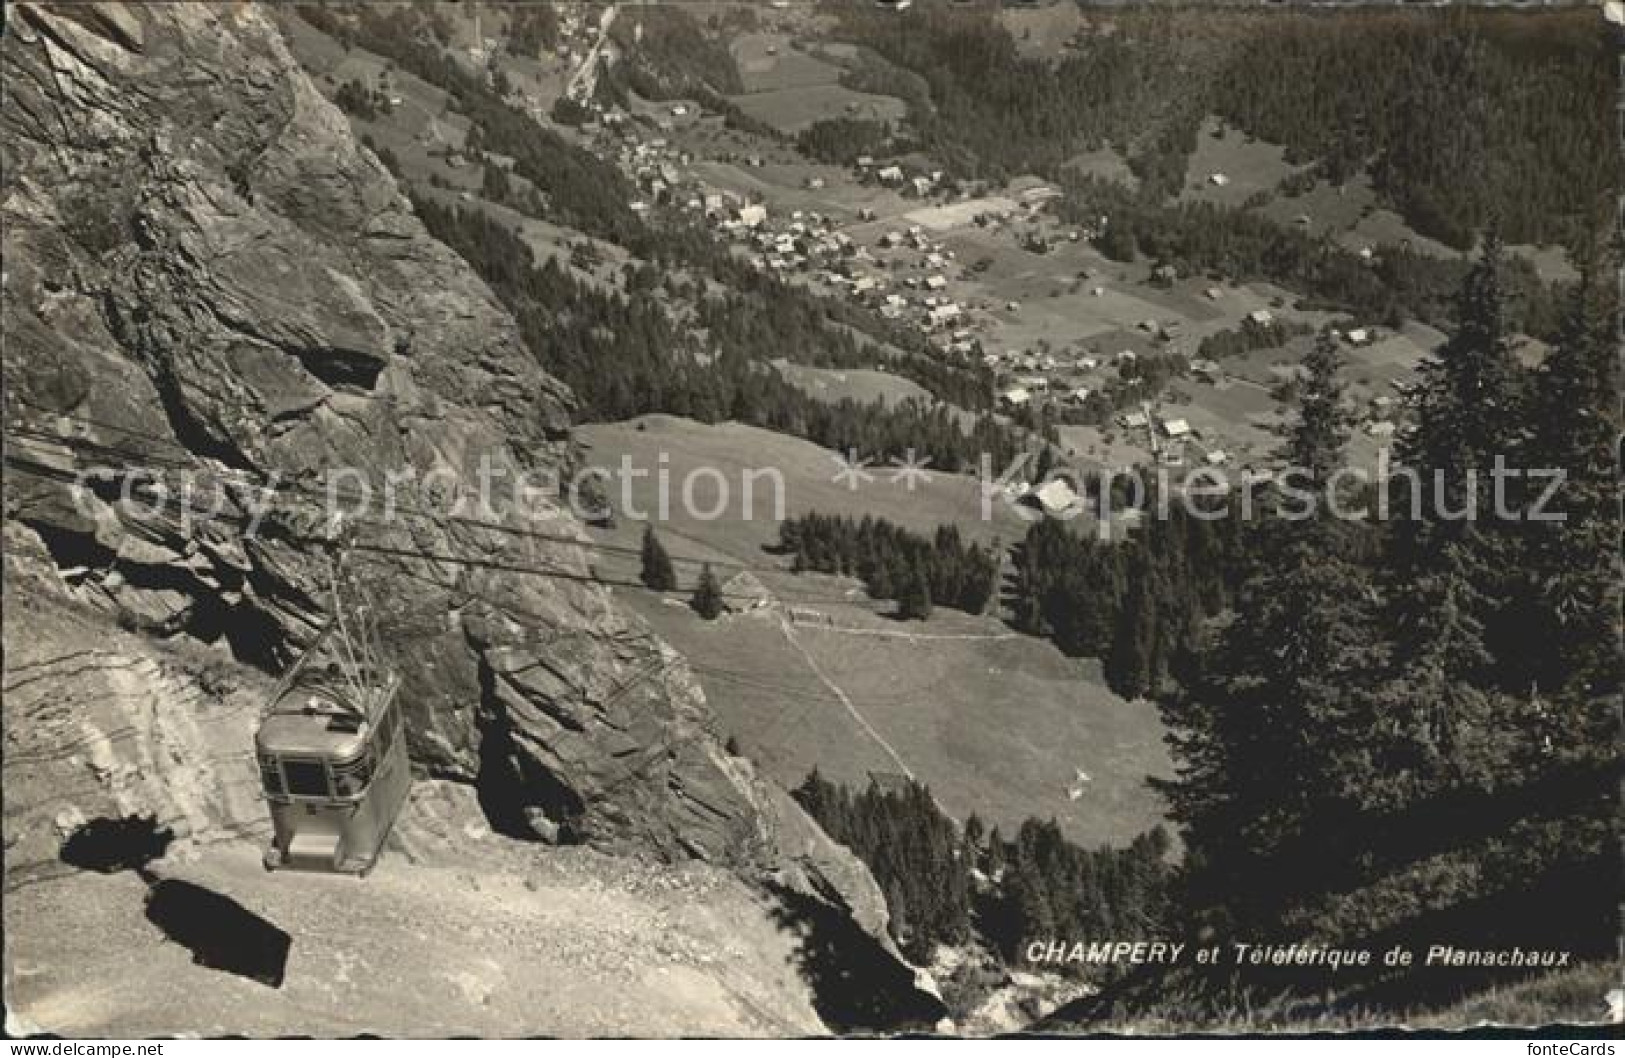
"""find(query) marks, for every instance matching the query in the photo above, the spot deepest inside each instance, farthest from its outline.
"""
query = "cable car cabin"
(333, 764)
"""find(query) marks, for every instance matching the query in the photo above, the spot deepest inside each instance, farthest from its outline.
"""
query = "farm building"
(1262, 317)
(752, 216)
(1133, 420)
(1176, 428)
(1017, 396)
(744, 593)
(1053, 497)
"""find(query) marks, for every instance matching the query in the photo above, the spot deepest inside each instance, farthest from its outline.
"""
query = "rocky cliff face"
(207, 279)
(207, 275)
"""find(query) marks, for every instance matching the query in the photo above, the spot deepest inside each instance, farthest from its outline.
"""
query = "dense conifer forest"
(894, 563)
(1465, 119)
(949, 884)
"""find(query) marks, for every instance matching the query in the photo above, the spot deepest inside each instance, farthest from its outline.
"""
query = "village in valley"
(987, 273)
(992, 275)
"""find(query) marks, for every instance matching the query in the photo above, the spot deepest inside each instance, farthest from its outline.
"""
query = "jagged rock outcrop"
(212, 292)
(208, 276)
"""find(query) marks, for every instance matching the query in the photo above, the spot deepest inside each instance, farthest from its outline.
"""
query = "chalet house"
(1053, 497)
(744, 593)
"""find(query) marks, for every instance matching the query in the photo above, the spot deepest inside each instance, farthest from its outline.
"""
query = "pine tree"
(657, 574)
(1472, 409)
(996, 853)
(914, 601)
(1130, 665)
(1573, 568)
(1315, 441)
(1271, 736)
(1471, 398)
(975, 831)
(707, 600)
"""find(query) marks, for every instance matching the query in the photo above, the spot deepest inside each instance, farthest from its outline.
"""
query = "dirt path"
(888, 633)
(458, 931)
(585, 80)
(862, 721)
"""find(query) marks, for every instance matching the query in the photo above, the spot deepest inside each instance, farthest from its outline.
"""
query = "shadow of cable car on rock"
(220, 933)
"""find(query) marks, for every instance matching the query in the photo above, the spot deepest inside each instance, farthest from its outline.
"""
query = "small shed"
(744, 593)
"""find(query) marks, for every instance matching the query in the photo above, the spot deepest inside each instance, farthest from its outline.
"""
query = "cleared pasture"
(995, 725)
(863, 386)
(792, 109)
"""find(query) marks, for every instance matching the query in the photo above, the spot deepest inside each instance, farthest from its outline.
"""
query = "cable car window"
(306, 778)
(270, 776)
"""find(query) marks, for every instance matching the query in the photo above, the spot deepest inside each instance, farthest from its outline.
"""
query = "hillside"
(210, 281)
(995, 723)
